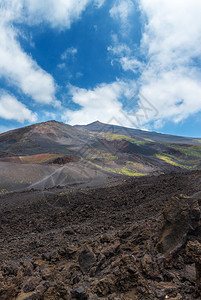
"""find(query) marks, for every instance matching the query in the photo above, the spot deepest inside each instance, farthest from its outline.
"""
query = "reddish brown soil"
(96, 243)
(38, 158)
(12, 160)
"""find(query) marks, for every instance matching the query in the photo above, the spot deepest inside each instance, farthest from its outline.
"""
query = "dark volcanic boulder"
(65, 159)
(79, 293)
(193, 250)
(181, 217)
(87, 259)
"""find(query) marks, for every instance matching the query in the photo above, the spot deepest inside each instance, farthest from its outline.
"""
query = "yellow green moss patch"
(137, 166)
(125, 171)
(184, 162)
(3, 191)
(167, 160)
(113, 137)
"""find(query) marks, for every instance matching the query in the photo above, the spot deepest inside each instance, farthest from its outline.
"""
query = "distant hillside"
(114, 149)
(138, 134)
(47, 137)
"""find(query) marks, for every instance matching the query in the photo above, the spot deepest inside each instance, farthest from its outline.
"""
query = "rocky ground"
(135, 239)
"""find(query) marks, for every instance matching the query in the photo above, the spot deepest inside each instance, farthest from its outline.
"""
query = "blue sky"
(135, 63)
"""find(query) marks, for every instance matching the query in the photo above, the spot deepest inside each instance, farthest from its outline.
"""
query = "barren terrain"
(103, 243)
(99, 212)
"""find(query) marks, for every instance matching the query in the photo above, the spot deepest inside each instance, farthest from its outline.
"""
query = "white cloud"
(57, 13)
(173, 27)
(175, 94)
(122, 54)
(70, 52)
(119, 49)
(12, 109)
(79, 74)
(18, 67)
(22, 71)
(10, 10)
(102, 103)
(121, 11)
(172, 41)
(99, 3)
(50, 115)
(61, 66)
(15, 65)
(130, 64)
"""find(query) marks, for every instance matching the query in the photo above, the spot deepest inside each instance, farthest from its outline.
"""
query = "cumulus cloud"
(172, 43)
(22, 71)
(175, 94)
(16, 66)
(102, 103)
(171, 48)
(12, 109)
(57, 13)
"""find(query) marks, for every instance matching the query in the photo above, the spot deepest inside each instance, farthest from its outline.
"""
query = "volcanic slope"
(138, 134)
(52, 153)
(141, 152)
(136, 240)
(47, 137)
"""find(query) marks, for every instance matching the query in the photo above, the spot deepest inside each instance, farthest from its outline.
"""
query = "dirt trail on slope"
(21, 177)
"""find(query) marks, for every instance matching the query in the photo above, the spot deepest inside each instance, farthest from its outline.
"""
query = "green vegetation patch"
(3, 191)
(113, 137)
(192, 150)
(109, 156)
(197, 141)
(182, 163)
(191, 162)
(125, 171)
(137, 165)
(167, 159)
(102, 155)
(149, 140)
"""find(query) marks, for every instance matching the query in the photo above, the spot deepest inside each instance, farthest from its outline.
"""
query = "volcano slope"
(138, 238)
(99, 212)
(53, 154)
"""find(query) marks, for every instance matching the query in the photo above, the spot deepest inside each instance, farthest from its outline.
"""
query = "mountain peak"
(96, 123)
(51, 122)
